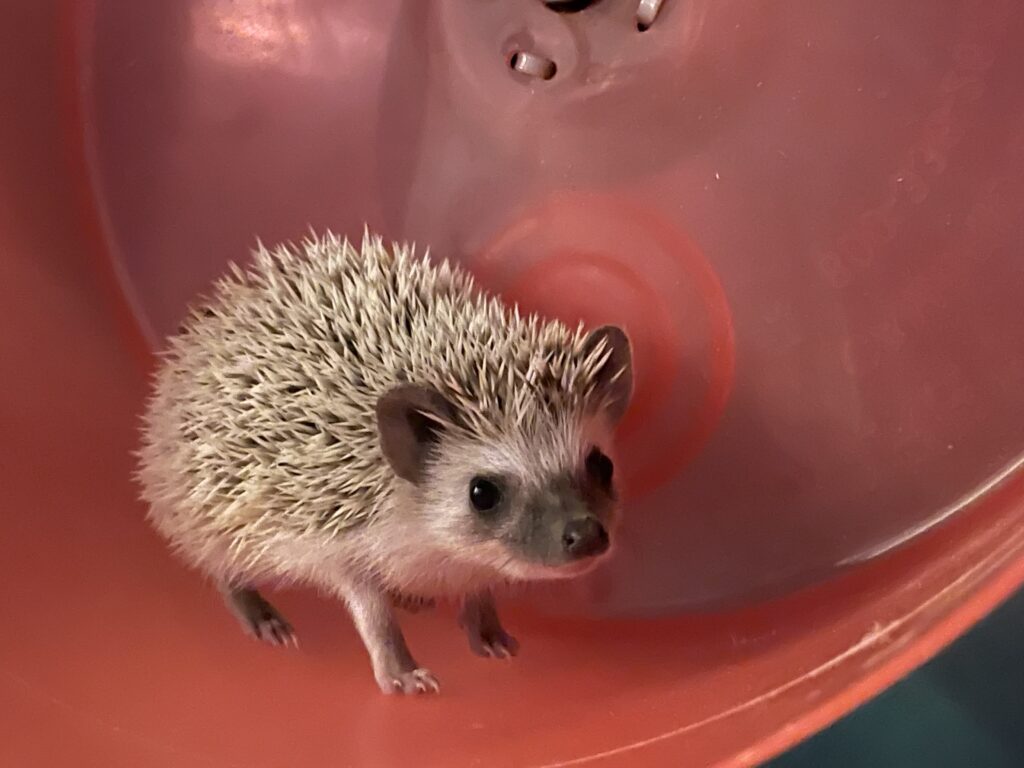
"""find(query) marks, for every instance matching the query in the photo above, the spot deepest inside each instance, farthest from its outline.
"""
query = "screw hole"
(646, 12)
(532, 65)
(568, 6)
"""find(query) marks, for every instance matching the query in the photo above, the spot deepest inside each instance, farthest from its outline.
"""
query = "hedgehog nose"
(584, 537)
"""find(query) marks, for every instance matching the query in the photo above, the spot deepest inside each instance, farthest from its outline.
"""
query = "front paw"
(493, 643)
(408, 682)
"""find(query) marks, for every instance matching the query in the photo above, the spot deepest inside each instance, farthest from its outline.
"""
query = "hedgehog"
(371, 423)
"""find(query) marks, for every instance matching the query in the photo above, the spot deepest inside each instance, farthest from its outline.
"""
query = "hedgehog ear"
(410, 419)
(613, 383)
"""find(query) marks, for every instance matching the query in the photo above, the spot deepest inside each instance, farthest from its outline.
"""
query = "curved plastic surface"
(809, 218)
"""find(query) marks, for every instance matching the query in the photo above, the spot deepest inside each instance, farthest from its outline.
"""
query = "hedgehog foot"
(394, 667)
(258, 617)
(412, 681)
(487, 638)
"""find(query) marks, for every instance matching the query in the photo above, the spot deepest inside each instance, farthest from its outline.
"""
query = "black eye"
(484, 494)
(600, 467)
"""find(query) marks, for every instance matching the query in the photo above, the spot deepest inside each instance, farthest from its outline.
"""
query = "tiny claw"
(413, 682)
(500, 652)
(259, 618)
(497, 646)
(477, 647)
(429, 683)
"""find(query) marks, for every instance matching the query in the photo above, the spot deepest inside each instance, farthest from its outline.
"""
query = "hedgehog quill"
(369, 422)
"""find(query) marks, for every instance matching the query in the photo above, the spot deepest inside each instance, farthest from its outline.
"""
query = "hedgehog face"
(540, 505)
(551, 515)
(536, 501)
(526, 506)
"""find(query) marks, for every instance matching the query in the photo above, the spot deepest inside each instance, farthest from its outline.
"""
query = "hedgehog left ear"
(410, 420)
(614, 381)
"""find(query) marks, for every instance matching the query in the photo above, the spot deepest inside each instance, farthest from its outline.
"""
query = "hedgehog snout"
(584, 537)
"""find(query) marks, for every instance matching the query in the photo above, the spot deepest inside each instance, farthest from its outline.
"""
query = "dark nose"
(584, 537)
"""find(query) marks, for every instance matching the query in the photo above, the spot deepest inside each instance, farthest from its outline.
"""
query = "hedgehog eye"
(484, 494)
(600, 467)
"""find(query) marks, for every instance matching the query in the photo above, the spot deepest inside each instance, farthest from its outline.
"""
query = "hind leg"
(479, 618)
(258, 617)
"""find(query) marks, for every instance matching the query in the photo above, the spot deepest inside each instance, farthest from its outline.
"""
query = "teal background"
(964, 708)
